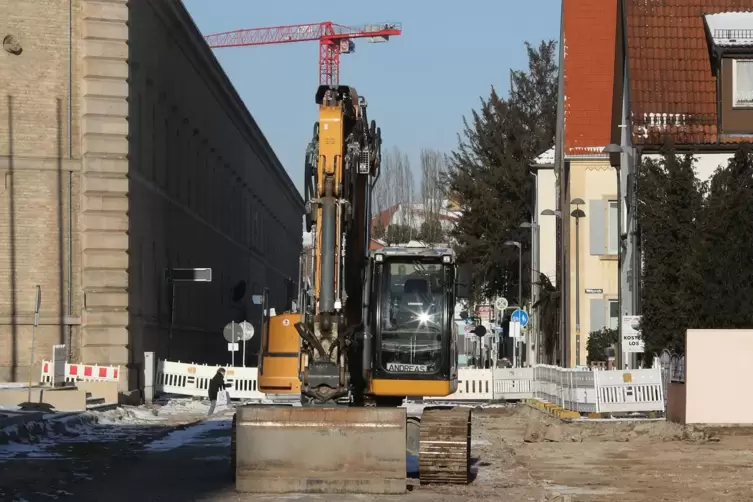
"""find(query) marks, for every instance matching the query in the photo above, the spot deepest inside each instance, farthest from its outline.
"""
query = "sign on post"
(188, 274)
(501, 303)
(520, 316)
(235, 332)
(632, 338)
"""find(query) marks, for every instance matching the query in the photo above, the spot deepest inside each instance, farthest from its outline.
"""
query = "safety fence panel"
(625, 391)
(193, 380)
(579, 390)
(473, 385)
(513, 383)
(77, 372)
(584, 391)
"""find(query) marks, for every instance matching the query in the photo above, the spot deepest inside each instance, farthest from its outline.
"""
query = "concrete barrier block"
(65, 399)
(101, 390)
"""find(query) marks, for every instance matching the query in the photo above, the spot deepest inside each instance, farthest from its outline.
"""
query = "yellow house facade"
(593, 245)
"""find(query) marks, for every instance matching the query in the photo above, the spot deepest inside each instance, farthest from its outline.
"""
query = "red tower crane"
(334, 39)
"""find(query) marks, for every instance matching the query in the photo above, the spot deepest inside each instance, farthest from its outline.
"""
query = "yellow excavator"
(372, 328)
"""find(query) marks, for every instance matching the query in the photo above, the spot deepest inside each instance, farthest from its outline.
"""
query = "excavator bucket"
(320, 450)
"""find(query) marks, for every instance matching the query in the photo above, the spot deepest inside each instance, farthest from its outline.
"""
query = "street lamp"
(563, 349)
(535, 286)
(577, 214)
(520, 286)
(520, 269)
(617, 149)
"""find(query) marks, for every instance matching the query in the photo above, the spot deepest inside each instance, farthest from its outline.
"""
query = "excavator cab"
(414, 336)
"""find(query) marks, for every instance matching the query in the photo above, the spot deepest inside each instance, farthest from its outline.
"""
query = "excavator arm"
(343, 160)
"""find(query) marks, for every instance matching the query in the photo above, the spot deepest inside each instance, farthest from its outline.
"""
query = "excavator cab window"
(414, 298)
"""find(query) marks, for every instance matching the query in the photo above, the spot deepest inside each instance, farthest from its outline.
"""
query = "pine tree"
(724, 258)
(670, 200)
(489, 172)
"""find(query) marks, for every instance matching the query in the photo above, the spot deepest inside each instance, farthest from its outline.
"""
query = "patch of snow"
(189, 435)
(169, 411)
(411, 464)
(414, 408)
(35, 439)
(480, 442)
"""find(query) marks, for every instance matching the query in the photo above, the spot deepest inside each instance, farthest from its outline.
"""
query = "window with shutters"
(742, 83)
(614, 314)
(612, 227)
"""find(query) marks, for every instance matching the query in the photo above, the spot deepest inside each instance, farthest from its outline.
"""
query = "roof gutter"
(587, 157)
(559, 143)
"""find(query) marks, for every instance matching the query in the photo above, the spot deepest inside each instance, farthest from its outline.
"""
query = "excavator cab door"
(412, 323)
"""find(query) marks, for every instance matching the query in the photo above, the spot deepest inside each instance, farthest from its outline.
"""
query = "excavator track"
(445, 446)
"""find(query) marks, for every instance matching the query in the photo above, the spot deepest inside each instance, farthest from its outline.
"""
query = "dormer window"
(730, 43)
(742, 83)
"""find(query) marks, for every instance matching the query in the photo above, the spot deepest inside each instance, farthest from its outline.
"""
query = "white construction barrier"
(491, 385)
(513, 383)
(473, 385)
(78, 372)
(193, 380)
(629, 390)
(614, 391)
(584, 391)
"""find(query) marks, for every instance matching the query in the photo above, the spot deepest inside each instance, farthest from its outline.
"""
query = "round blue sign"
(520, 316)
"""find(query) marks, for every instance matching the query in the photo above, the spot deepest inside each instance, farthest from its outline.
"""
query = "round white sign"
(501, 303)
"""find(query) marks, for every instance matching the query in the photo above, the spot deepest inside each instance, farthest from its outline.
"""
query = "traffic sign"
(238, 332)
(479, 331)
(520, 316)
(501, 303)
(188, 274)
(632, 338)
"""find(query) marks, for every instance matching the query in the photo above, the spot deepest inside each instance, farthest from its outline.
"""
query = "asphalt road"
(149, 463)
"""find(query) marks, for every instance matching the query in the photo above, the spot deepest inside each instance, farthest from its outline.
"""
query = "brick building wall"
(40, 179)
(174, 172)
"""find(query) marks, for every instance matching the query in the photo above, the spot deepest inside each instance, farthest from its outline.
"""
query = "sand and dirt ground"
(519, 454)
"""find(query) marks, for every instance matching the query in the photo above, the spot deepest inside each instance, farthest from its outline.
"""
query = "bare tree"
(386, 190)
(404, 187)
(433, 168)
(395, 186)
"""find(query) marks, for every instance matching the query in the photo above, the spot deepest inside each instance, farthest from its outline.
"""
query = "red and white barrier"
(82, 372)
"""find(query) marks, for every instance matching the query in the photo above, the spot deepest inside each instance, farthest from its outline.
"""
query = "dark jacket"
(216, 384)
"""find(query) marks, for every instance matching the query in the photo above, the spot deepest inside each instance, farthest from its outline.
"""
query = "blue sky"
(419, 85)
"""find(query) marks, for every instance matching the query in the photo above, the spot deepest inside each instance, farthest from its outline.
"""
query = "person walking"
(216, 384)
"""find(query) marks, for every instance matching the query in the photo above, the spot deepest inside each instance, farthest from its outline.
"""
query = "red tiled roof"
(590, 31)
(670, 69)
(385, 216)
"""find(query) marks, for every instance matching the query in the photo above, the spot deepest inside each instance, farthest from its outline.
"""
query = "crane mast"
(342, 161)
